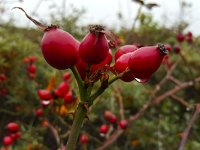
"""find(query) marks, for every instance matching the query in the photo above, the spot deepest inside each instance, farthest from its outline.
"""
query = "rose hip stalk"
(145, 61)
(94, 47)
(59, 48)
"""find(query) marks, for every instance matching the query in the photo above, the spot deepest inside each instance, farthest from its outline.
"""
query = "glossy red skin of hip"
(106, 61)
(93, 48)
(68, 98)
(125, 49)
(63, 89)
(7, 140)
(104, 129)
(145, 61)
(84, 139)
(121, 65)
(82, 66)
(123, 124)
(59, 48)
(31, 68)
(180, 37)
(44, 94)
(13, 127)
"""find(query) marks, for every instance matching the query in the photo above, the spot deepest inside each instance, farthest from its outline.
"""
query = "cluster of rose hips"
(112, 119)
(181, 38)
(14, 134)
(177, 48)
(187, 37)
(31, 68)
(93, 51)
(3, 90)
(62, 92)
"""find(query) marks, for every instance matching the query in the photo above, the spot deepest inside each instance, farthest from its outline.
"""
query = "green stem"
(101, 90)
(82, 109)
(76, 126)
(80, 83)
(80, 114)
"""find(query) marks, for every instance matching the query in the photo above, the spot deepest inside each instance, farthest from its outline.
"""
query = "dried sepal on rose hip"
(59, 48)
(145, 61)
(94, 47)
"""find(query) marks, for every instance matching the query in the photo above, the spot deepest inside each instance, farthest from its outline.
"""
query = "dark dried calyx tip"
(96, 28)
(162, 49)
(51, 27)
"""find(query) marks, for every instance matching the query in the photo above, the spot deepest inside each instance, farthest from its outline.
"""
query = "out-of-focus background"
(167, 14)
(157, 112)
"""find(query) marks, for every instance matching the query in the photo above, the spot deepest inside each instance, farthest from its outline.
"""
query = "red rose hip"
(13, 127)
(113, 119)
(39, 112)
(59, 48)
(31, 68)
(121, 65)
(145, 61)
(94, 47)
(44, 95)
(104, 129)
(68, 98)
(180, 37)
(84, 139)
(123, 124)
(7, 140)
(62, 89)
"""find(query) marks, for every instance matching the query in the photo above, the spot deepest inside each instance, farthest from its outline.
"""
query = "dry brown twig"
(186, 132)
(120, 102)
